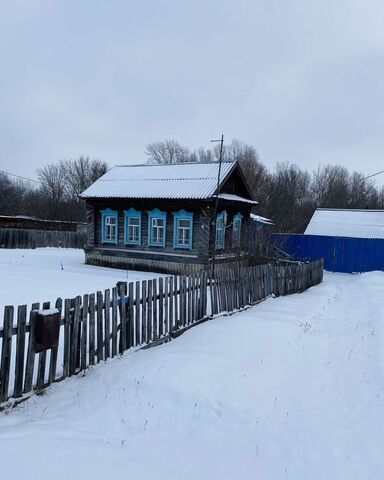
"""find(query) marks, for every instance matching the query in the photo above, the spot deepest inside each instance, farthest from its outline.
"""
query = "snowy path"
(291, 389)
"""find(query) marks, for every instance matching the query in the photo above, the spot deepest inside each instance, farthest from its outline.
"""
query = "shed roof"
(347, 223)
(173, 181)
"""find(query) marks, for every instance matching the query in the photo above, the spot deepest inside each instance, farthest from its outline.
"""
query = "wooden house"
(162, 217)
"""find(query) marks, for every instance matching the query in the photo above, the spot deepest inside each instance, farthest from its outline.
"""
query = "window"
(132, 235)
(157, 224)
(182, 230)
(237, 230)
(221, 220)
(109, 221)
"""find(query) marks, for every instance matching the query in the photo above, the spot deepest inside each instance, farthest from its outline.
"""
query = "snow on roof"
(236, 198)
(258, 218)
(188, 180)
(347, 223)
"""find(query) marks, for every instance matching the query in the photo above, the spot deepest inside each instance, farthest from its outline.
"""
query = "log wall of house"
(203, 234)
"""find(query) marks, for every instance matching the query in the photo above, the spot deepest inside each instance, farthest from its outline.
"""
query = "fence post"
(20, 350)
(31, 349)
(6, 353)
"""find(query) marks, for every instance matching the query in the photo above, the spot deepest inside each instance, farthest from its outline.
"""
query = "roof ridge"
(173, 164)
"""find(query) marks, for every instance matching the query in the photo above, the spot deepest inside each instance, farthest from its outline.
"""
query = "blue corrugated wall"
(340, 254)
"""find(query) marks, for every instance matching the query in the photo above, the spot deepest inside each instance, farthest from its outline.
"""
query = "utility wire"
(364, 178)
(18, 176)
(369, 176)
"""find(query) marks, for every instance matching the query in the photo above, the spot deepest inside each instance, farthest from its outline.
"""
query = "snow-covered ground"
(291, 389)
(44, 274)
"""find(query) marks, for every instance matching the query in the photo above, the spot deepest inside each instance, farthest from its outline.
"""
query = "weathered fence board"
(20, 350)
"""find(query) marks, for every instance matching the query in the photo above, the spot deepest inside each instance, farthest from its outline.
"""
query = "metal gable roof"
(175, 181)
(347, 223)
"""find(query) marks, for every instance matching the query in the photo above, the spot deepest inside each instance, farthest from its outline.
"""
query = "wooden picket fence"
(99, 326)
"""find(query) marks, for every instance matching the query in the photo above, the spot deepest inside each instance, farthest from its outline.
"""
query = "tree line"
(56, 195)
(287, 194)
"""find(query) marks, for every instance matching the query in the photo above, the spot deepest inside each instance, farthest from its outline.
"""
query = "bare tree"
(62, 183)
(289, 203)
(78, 174)
(330, 187)
(166, 152)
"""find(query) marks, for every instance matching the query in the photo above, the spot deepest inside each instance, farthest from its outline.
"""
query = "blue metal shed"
(348, 240)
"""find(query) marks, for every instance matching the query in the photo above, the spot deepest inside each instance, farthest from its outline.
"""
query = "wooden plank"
(137, 315)
(193, 299)
(241, 288)
(161, 306)
(235, 290)
(130, 316)
(183, 300)
(149, 316)
(67, 337)
(176, 322)
(155, 311)
(30, 365)
(84, 333)
(244, 278)
(223, 279)
(245, 287)
(185, 306)
(42, 359)
(99, 321)
(6, 352)
(254, 284)
(114, 322)
(189, 300)
(144, 312)
(123, 319)
(92, 329)
(74, 337)
(223, 307)
(166, 306)
(200, 312)
(171, 303)
(107, 324)
(230, 290)
(204, 294)
(54, 351)
(20, 350)
(205, 280)
(214, 295)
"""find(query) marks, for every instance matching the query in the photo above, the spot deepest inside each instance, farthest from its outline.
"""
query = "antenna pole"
(217, 204)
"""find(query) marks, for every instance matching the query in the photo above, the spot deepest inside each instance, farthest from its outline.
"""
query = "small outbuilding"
(162, 217)
(349, 240)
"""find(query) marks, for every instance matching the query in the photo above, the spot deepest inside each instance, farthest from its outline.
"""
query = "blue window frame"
(236, 230)
(109, 226)
(221, 220)
(132, 227)
(157, 228)
(182, 229)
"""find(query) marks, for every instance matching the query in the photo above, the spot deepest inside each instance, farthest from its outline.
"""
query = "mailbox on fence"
(47, 329)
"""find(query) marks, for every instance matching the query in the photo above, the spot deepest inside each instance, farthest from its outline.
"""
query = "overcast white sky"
(302, 80)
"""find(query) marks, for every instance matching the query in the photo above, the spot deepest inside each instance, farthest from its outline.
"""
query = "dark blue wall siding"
(340, 254)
